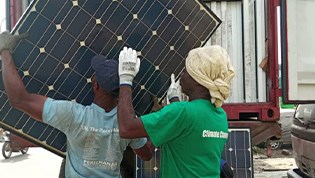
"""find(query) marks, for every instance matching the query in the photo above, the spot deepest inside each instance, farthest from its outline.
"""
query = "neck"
(200, 93)
(108, 103)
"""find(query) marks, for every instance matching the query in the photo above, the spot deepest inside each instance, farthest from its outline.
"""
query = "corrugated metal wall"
(242, 33)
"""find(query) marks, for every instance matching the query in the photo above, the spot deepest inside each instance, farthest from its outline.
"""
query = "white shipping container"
(242, 34)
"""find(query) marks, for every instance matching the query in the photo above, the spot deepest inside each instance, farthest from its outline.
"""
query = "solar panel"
(64, 35)
(237, 152)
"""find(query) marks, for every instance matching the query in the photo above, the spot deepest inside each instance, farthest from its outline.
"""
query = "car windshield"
(306, 112)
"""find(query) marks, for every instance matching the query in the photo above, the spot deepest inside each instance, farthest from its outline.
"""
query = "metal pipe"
(273, 50)
(24, 5)
(17, 11)
(12, 14)
(7, 15)
(16, 7)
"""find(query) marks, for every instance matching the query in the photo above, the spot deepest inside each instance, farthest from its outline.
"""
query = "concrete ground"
(36, 163)
(274, 167)
(39, 163)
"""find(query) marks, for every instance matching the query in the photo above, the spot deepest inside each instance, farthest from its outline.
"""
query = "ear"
(96, 86)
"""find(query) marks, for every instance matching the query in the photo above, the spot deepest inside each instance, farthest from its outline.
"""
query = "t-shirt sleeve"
(138, 143)
(166, 124)
(59, 114)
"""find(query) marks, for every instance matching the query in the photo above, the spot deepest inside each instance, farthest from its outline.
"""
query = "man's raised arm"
(129, 125)
(18, 96)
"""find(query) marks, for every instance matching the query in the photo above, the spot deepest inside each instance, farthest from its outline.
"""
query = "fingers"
(173, 78)
(134, 53)
(122, 54)
(127, 53)
(23, 35)
(138, 63)
(131, 53)
(177, 83)
(5, 33)
(9, 41)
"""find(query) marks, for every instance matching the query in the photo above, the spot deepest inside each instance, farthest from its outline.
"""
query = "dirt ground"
(277, 165)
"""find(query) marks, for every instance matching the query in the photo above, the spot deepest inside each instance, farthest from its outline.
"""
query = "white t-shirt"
(94, 148)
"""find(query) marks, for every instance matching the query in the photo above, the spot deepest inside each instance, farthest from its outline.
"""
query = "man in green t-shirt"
(191, 133)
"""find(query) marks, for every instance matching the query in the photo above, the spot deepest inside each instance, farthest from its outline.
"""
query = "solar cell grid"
(64, 35)
(238, 152)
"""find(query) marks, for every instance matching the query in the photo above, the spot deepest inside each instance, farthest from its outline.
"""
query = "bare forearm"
(146, 152)
(18, 96)
(125, 102)
(129, 125)
(11, 79)
(125, 108)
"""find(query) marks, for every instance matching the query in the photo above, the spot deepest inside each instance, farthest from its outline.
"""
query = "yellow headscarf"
(211, 67)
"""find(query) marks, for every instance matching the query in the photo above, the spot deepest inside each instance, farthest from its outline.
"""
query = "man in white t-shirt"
(94, 148)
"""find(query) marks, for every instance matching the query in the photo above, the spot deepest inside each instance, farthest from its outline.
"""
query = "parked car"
(303, 141)
(286, 120)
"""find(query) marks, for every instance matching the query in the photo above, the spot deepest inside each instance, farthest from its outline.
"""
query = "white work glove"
(9, 41)
(129, 65)
(174, 91)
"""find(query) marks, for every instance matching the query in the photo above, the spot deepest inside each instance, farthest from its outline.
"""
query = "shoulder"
(170, 110)
(63, 105)
(184, 105)
(179, 104)
(174, 108)
(63, 102)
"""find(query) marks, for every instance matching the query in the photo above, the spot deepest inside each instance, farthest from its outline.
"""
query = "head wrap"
(210, 66)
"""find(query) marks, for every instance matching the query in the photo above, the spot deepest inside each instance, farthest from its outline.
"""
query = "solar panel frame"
(45, 60)
(238, 152)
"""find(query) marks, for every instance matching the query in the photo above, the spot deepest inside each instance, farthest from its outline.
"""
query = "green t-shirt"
(192, 137)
